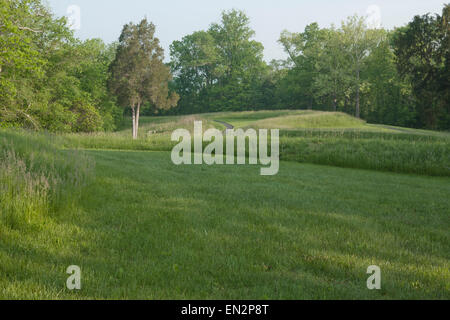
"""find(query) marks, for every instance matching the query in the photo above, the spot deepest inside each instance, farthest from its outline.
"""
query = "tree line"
(50, 80)
(399, 77)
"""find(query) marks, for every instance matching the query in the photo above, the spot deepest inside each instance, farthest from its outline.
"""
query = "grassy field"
(148, 229)
(306, 136)
(142, 228)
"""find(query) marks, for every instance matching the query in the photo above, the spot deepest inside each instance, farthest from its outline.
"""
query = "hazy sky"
(177, 18)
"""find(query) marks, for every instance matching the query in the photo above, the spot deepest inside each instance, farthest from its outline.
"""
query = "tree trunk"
(357, 94)
(133, 110)
(357, 103)
(335, 97)
(138, 111)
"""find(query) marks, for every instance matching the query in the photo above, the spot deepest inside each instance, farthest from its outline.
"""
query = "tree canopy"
(218, 69)
(50, 80)
(138, 74)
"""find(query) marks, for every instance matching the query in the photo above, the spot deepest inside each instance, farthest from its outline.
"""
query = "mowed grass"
(147, 229)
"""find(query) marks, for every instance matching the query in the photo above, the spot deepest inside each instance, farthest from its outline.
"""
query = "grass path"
(147, 229)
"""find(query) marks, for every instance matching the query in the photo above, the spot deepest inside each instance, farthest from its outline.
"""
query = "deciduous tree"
(138, 73)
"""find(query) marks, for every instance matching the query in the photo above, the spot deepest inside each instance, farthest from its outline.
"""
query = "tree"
(93, 58)
(422, 55)
(304, 50)
(241, 64)
(358, 42)
(49, 79)
(138, 73)
(19, 56)
(240, 56)
(221, 68)
(332, 77)
(194, 64)
(388, 98)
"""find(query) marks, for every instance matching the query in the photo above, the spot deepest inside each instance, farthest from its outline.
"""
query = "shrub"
(88, 118)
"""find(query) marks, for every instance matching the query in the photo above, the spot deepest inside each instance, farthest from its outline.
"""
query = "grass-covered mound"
(328, 138)
(311, 119)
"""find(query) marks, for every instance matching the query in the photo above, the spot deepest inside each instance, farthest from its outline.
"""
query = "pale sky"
(176, 18)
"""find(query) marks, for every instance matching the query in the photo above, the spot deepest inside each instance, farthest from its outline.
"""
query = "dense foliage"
(219, 69)
(51, 80)
(423, 57)
(375, 74)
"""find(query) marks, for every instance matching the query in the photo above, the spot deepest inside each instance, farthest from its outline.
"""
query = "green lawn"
(145, 228)
(141, 227)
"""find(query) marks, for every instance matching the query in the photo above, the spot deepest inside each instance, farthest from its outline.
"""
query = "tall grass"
(395, 155)
(113, 141)
(401, 153)
(37, 178)
(154, 135)
(365, 133)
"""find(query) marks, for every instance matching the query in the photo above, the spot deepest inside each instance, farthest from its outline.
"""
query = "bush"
(88, 118)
